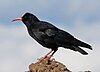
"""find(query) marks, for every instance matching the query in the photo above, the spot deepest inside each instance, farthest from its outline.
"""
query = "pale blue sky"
(81, 18)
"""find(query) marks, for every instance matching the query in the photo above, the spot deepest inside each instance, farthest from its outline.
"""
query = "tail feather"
(80, 50)
(82, 44)
(76, 48)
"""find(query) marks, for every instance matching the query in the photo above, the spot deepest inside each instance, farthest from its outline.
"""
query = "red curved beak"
(16, 19)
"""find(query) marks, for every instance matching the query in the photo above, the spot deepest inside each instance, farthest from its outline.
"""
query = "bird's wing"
(56, 36)
(49, 33)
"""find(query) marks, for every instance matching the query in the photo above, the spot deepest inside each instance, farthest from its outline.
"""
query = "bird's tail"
(80, 50)
(82, 44)
(76, 48)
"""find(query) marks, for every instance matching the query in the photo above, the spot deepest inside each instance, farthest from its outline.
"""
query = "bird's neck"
(28, 25)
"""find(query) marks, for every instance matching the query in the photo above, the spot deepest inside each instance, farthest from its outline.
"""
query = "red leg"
(52, 54)
(45, 55)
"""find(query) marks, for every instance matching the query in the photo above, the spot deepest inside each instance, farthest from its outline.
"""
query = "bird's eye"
(25, 18)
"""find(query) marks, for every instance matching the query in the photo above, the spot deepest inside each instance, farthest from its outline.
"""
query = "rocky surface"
(48, 66)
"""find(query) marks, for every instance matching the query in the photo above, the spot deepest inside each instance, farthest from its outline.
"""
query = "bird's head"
(27, 18)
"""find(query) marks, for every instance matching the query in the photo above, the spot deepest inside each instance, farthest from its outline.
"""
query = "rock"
(48, 66)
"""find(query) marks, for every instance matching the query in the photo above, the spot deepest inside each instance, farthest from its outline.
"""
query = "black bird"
(50, 36)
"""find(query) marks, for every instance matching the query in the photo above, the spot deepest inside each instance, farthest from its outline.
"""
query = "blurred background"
(81, 18)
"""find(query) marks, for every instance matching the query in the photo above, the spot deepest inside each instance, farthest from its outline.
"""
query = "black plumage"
(50, 36)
